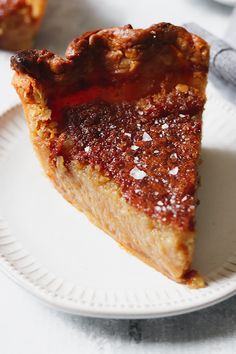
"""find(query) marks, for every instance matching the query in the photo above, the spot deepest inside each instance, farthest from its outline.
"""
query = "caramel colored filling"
(148, 146)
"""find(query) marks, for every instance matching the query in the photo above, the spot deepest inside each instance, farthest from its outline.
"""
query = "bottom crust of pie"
(166, 248)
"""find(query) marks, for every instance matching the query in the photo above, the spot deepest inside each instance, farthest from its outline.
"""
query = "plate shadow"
(216, 215)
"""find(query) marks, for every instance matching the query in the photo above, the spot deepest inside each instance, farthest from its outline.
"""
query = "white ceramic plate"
(54, 252)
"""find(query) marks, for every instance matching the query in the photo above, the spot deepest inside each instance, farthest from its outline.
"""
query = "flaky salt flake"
(134, 147)
(174, 171)
(156, 193)
(136, 159)
(184, 198)
(140, 113)
(137, 174)
(146, 137)
(156, 152)
(160, 203)
(182, 115)
(157, 208)
(154, 34)
(128, 134)
(173, 155)
(137, 191)
(165, 126)
(87, 148)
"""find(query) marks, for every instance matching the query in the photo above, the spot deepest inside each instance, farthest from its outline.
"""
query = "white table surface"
(29, 327)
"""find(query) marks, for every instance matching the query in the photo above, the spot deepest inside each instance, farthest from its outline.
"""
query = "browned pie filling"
(149, 146)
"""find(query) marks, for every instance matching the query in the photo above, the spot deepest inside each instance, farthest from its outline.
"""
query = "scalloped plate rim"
(57, 305)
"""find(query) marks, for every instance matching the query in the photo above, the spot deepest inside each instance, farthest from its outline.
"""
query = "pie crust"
(117, 128)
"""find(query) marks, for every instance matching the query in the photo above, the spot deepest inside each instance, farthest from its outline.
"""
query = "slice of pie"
(19, 22)
(117, 128)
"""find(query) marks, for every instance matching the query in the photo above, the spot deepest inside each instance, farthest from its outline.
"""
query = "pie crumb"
(194, 280)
